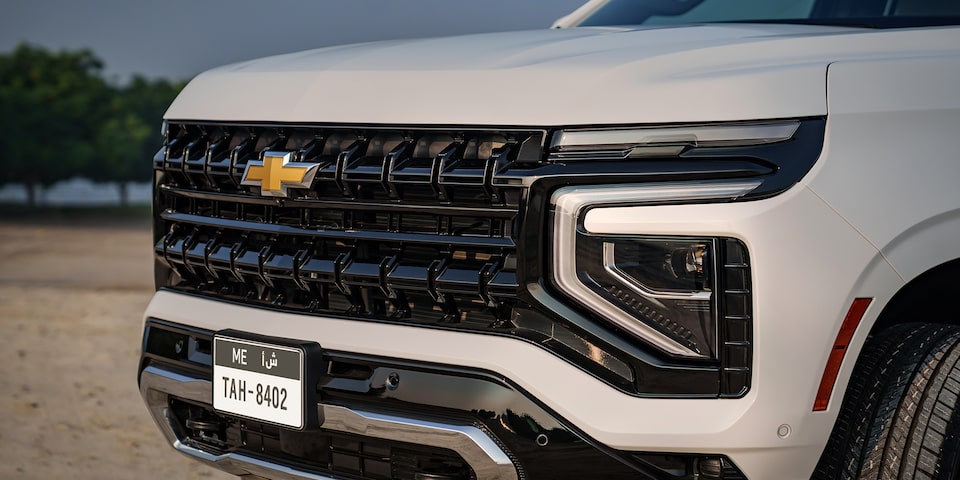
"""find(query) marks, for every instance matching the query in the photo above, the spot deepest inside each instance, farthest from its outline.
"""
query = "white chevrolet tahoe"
(667, 239)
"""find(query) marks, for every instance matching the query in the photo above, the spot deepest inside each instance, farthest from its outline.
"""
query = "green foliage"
(59, 118)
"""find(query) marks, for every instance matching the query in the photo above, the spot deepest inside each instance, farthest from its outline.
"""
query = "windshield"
(867, 13)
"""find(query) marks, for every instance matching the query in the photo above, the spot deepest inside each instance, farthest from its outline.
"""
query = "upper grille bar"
(394, 164)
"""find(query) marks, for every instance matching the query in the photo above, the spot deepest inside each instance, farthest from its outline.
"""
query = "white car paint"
(551, 77)
(893, 166)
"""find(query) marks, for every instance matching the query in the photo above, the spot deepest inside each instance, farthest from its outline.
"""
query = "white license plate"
(259, 381)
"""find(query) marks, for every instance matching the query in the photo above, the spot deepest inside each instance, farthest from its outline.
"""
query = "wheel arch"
(922, 299)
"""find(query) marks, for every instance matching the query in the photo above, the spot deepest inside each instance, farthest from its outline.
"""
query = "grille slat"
(356, 205)
(342, 235)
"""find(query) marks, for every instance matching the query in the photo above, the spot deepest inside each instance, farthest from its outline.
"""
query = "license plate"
(259, 381)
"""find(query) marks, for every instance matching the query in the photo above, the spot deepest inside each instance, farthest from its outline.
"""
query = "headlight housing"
(684, 302)
(663, 289)
(666, 290)
(667, 283)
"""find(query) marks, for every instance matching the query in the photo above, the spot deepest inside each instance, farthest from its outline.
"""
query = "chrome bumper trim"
(476, 447)
(486, 458)
(239, 464)
(157, 384)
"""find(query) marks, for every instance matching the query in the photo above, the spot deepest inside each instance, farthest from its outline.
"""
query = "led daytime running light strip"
(696, 136)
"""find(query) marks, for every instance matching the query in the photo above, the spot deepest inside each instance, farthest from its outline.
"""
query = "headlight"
(664, 282)
(663, 289)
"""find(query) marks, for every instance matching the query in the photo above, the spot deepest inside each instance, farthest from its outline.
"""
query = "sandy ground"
(72, 294)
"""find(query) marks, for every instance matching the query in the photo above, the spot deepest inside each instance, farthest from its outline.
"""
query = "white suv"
(681, 239)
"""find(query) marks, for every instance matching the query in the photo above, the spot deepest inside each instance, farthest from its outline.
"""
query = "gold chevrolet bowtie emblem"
(276, 173)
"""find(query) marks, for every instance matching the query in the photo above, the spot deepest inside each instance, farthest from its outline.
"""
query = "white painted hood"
(543, 78)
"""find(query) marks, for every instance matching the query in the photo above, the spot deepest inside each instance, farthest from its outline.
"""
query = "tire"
(899, 418)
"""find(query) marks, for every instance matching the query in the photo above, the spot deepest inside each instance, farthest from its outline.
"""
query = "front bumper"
(482, 454)
(384, 418)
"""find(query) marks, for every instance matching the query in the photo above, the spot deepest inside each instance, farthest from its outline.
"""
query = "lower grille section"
(378, 278)
(350, 456)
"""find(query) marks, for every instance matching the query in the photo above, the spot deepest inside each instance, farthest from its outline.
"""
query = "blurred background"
(83, 86)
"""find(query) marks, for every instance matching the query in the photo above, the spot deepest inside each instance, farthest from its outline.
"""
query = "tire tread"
(899, 407)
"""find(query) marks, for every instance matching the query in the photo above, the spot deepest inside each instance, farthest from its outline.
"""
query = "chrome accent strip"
(476, 447)
(610, 265)
(181, 386)
(240, 464)
(157, 384)
(696, 135)
(486, 458)
(571, 204)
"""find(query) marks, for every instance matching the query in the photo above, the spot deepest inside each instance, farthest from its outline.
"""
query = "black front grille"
(445, 228)
(405, 225)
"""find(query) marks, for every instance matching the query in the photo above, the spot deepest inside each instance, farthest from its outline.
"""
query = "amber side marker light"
(850, 322)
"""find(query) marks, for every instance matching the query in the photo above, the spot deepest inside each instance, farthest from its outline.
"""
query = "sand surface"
(72, 295)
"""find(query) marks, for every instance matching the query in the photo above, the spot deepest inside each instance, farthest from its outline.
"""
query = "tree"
(118, 145)
(59, 118)
(48, 108)
(128, 137)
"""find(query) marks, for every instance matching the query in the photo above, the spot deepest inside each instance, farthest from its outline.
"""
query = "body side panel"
(894, 169)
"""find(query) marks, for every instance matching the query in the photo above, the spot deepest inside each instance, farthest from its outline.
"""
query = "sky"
(177, 39)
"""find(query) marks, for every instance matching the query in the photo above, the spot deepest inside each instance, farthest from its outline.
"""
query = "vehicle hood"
(548, 77)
